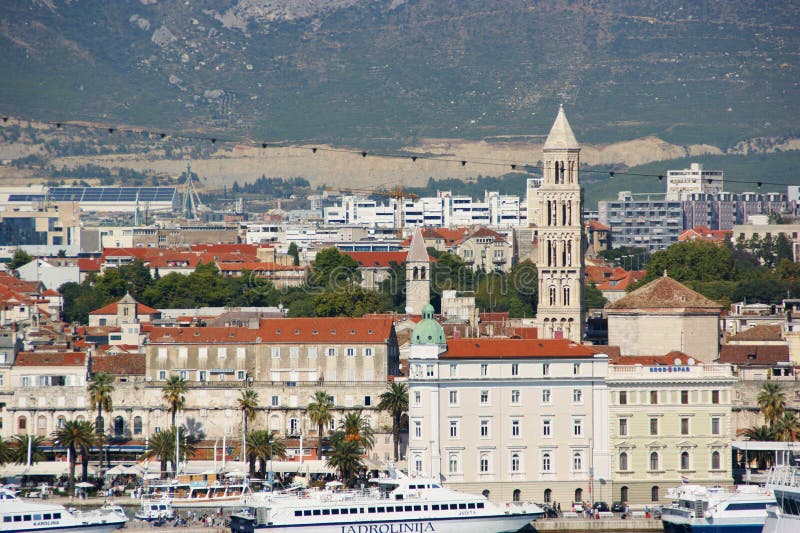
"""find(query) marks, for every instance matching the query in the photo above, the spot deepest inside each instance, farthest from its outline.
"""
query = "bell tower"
(418, 275)
(560, 313)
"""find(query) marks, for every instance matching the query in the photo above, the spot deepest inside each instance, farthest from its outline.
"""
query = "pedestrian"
(559, 509)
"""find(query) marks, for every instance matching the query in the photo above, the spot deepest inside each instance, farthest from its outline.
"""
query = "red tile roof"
(124, 364)
(665, 293)
(377, 259)
(88, 265)
(111, 309)
(259, 267)
(497, 348)
(486, 232)
(327, 330)
(205, 335)
(595, 225)
(762, 332)
(702, 233)
(753, 354)
(50, 359)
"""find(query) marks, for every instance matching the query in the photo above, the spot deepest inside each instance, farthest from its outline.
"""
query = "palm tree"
(760, 433)
(345, 456)
(395, 402)
(320, 412)
(356, 428)
(174, 393)
(264, 446)
(19, 449)
(248, 403)
(74, 435)
(772, 402)
(161, 446)
(5, 452)
(787, 427)
(100, 388)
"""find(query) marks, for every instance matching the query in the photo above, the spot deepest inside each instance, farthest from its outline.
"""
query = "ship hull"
(733, 527)
(488, 524)
(82, 528)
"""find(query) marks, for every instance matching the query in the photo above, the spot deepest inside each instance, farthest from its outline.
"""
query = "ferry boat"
(784, 516)
(700, 509)
(206, 490)
(393, 505)
(23, 515)
(155, 509)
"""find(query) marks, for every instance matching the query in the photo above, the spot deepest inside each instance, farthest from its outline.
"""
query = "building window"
(484, 369)
(623, 427)
(484, 463)
(545, 395)
(546, 465)
(515, 369)
(715, 460)
(576, 369)
(623, 494)
(202, 375)
(515, 396)
(548, 495)
(429, 371)
(275, 400)
(546, 427)
(623, 397)
(453, 397)
(452, 463)
(654, 397)
(350, 352)
(417, 397)
(545, 369)
(162, 375)
(684, 426)
(368, 352)
(454, 429)
(577, 396)
(418, 429)
(654, 461)
(577, 461)
(654, 426)
(623, 461)
(714, 396)
(484, 397)
(515, 427)
(515, 462)
(137, 425)
(577, 427)
(685, 397)
(684, 460)
(330, 351)
(418, 464)
(222, 353)
(715, 425)
(654, 494)
(453, 370)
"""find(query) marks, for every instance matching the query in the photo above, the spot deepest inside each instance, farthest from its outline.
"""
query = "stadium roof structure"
(112, 194)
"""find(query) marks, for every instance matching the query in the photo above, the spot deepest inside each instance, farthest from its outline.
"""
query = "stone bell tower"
(418, 275)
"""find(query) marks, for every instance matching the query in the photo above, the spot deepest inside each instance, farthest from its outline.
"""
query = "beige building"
(487, 250)
(762, 229)
(514, 419)
(670, 420)
(664, 316)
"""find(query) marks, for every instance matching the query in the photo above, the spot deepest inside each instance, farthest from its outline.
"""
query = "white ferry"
(784, 517)
(201, 491)
(402, 505)
(23, 515)
(700, 509)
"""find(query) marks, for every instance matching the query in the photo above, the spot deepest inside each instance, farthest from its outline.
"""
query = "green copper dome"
(427, 331)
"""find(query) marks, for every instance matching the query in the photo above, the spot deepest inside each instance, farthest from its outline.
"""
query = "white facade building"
(692, 180)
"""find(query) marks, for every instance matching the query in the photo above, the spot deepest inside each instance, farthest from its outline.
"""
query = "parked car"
(617, 507)
(601, 507)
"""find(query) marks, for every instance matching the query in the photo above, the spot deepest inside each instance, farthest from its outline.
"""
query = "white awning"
(43, 468)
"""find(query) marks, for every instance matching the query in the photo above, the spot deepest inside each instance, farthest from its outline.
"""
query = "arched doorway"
(485, 493)
(119, 426)
(548, 496)
(623, 494)
(517, 495)
(578, 495)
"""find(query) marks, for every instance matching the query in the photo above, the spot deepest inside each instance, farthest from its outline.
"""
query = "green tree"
(352, 301)
(523, 278)
(264, 446)
(20, 258)
(592, 297)
(355, 427)
(161, 446)
(395, 402)
(787, 427)
(100, 389)
(19, 449)
(783, 248)
(137, 277)
(5, 452)
(693, 261)
(294, 253)
(74, 435)
(394, 286)
(320, 412)
(248, 404)
(627, 257)
(345, 457)
(332, 269)
(771, 400)
(174, 393)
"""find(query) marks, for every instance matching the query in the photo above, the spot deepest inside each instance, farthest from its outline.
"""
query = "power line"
(518, 166)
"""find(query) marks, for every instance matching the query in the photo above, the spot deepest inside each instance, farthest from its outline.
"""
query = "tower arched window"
(561, 172)
(415, 273)
(555, 177)
(552, 295)
(568, 253)
(422, 273)
(565, 290)
(563, 213)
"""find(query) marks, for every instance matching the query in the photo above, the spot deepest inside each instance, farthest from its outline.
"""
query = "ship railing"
(784, 476)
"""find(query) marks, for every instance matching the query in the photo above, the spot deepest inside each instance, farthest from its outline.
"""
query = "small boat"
(155, 509)
(784, 516)
(700, 509)
(207, 490)
(392, 505)
(22, 515)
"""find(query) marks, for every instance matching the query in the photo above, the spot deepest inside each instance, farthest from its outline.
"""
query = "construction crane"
(397, 193)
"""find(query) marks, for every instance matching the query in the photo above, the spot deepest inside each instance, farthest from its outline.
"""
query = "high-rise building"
(693, 180)
(560, 228)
